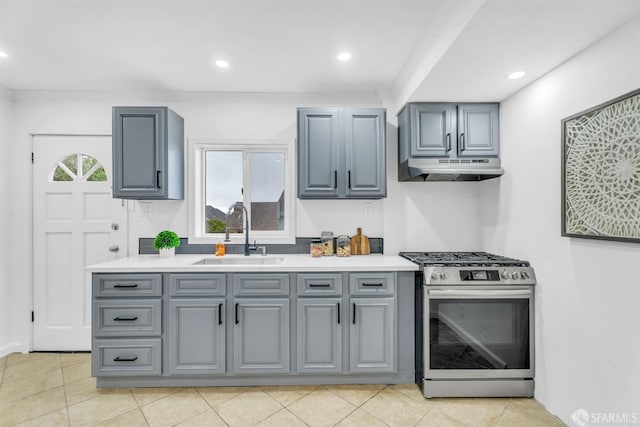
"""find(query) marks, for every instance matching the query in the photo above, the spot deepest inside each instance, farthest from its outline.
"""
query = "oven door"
(478, 332)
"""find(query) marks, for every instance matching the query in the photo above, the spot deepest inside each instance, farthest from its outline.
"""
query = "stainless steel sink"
(248, 260)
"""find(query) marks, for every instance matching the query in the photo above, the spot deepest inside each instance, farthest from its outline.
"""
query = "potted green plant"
(166, 243)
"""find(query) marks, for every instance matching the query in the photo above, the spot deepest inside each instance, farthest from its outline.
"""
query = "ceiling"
(401, 49)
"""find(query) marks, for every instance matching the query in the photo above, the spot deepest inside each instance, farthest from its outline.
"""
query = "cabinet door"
(138, 151)
(365, 145)
(318, 175)
(432, 129)
(196, 336)
(319, 335)
(372, 335)
(478, 130)
(261, 336)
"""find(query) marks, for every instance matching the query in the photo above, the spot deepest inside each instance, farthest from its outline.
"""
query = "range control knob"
(514, 275)
(435, 275)
(524, 275)
(443, 275)
(505, 274)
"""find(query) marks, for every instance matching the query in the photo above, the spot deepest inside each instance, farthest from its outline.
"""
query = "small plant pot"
(167, 252)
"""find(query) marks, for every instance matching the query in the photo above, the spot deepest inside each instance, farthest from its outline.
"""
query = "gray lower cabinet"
(319, 335)
(234, 328)
(261, 335)
(196, 336)
(372, 339)
(126, 325)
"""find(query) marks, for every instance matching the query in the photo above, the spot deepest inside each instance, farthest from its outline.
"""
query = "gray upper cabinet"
(148, 153)
(478, 130)
(451, 130)
(342, 153)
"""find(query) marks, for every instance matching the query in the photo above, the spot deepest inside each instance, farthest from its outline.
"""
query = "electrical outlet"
(367, 208)
(145, 208)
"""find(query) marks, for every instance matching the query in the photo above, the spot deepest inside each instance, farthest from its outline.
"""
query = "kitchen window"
(257, 174)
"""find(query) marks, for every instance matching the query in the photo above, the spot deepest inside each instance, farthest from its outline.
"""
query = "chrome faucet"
(247, 249)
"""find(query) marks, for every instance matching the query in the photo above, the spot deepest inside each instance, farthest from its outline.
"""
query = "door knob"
(114, 248)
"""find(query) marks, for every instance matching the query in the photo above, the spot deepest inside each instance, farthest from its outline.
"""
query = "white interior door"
(76, 223)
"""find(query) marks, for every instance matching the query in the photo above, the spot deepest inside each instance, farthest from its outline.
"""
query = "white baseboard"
(14, 347)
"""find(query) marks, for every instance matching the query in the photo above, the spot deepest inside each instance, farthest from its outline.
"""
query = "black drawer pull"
(335, 179)
(125, 359)
(220, 314)
(338, 313)
(373, 285)
(125, 319)
(237, 321)
(119, 285)
(354, 313)
(320, 285)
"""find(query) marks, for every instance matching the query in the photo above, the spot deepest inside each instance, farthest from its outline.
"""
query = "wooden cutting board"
(360, 244)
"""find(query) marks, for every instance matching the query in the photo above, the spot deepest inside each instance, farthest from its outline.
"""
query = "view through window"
(254, 178)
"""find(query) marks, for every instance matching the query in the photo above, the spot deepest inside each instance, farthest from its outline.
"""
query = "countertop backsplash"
(301, 246)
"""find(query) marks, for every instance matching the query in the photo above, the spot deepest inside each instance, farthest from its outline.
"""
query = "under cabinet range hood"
(421, 169)
(449, 142)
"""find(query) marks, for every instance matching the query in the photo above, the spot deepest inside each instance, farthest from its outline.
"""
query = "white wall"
(6, 123)
(415, 216)
(588, 293)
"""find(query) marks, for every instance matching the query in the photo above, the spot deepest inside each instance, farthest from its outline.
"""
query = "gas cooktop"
(461, 259)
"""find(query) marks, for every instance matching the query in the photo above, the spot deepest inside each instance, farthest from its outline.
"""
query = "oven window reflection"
(479, 334)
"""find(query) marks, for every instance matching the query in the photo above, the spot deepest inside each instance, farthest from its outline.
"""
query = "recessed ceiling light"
(221, 63)
(515, 75)
(344, 56)
(3, 54)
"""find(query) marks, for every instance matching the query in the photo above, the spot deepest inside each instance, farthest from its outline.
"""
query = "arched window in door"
(78, 167)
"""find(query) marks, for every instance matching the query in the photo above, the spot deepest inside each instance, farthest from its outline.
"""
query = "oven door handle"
(487, 293)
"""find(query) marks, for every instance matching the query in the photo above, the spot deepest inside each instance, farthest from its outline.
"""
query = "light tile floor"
(45, 389)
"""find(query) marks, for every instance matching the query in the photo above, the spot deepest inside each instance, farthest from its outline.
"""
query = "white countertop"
(289, 263)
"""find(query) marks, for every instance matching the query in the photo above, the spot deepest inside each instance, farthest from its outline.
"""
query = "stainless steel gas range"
(474, 324)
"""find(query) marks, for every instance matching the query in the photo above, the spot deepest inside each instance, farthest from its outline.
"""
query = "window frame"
(196, 188)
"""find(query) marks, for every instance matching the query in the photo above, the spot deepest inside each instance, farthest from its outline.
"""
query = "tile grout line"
(503, 411)
(210, 406)
(64, 388)
(139, 406)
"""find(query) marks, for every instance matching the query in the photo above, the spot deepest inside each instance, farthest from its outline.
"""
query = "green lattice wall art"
(601, 171)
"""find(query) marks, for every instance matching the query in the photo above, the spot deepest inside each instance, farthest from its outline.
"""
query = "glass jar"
(343, 245)
(327, 243)
(315, 248)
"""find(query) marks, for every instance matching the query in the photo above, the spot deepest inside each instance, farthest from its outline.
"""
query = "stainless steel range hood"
(439, 169)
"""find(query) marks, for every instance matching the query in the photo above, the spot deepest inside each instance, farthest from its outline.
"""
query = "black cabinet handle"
(349, 178)
(125, 359)
(220, 314)
(118, 285)
(125, 319)
(158, 180)
(319, 285)
(338, 313)
(354, 313)
(237, 321)
(462, 142)
(373, 285)
(335, 179)
(448, 142)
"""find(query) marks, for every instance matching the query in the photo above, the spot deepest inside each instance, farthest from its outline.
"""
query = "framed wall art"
(601, 171)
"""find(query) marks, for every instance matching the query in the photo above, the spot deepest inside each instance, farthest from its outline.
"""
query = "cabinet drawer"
(190, 284)
(257, 284)
(119, 358)
(372, 283)
(319, 284)
(127, 318)
(117, 285)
